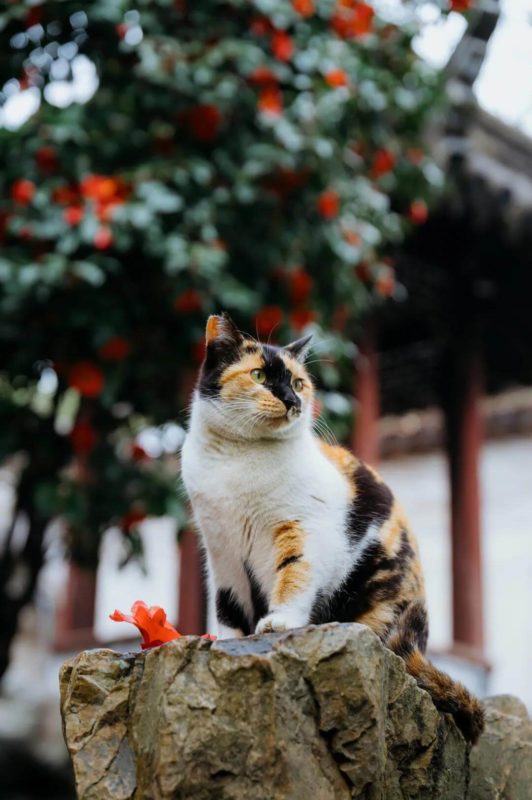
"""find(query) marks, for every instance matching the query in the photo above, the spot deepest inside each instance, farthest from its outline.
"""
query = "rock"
(501, 764)
(322, 712)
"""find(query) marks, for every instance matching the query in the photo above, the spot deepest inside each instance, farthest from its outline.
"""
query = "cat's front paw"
(276, 623)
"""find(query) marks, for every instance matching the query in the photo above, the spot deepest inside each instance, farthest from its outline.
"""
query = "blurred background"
(361, 171)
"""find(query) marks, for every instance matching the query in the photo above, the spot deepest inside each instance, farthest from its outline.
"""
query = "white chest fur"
(241, 490)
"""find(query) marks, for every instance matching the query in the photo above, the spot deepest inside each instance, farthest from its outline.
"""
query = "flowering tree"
(181, 158)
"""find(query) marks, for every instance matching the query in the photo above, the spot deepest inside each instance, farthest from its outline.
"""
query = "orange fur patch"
(379, 618)
(212, 329)
(288, 540)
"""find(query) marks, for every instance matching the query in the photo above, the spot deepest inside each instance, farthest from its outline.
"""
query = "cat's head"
(252, 389)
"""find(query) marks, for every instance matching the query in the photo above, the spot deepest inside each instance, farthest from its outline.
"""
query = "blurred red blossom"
(188, 302)
(329, 204)
(138, 453)
(383, 162)
(302, 317)
(418, 212)
(299, 286)
(204, 122)
(304, 7)
(22, 191)
(87, 378)
(337, 78)
(73, 215)
(461, 5)
(267, 319)
(83, 437)
(103, 238)
(282, 46)
(352, 19)
(115, 348)
(133, 517)
(46, 158)
(271, 100)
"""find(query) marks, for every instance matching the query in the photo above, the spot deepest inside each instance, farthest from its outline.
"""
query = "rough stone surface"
(323, 712)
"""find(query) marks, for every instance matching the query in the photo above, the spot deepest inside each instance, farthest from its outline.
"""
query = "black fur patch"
(372, 504)
(258, 598)
(279, 377)
(229, 611)
(220, 354)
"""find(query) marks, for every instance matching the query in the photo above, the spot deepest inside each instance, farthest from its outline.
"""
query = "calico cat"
(297, 531)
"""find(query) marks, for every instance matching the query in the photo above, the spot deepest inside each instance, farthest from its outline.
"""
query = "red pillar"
(365, 442)
(75, 618)
(464, 439)
(191, 594)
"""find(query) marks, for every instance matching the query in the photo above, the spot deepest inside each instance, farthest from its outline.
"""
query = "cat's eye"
(258, 375)
(298, 384)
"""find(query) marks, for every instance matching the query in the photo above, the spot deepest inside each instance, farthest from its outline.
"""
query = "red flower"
(300, 286)
(267, 319)
(100, 188)
(261, 26)
(83, 438)
(122, 29)
(73, 215)
(138, 453)
(461, 5)
(336, 78)
(151, 623)
(131, 519)
(22, 191)
(304, 7)
(302, 317)
(114, 349)
(418, 212)
(271, 101)
(204, 122)
(385, 283)
(352, 19)
(282, 46)
(383, 162)
(329, 204)
(103, 238)
(363, 272)
(87, 378)
(65, 195)
(46, 159)
(188, 302)
(262, 75)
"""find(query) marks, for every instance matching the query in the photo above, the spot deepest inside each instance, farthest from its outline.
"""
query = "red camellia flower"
(151, 623)
(337, 78)
(267, 319)
(385, 283)
(204, 122)
(46, 158)
(329, 204)
(83, 438)
(87, 378)
(461, 5)
(304, 7)
(383, 162)
(261, 26)
(22, 191)
(65, 195)
(418, 212)
(73, 215)
(131, 519)
(271, 101)
(302, 317)
(114, 349)
(262, 75)
(188, 302)
(103, 238)
(352, 19)
(299, 286)
(282, 46)
(138, 453)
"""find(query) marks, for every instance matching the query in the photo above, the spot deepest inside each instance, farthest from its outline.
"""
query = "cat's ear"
(222, 328)
(299, 349)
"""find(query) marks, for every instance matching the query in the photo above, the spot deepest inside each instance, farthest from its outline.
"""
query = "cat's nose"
(291, 402)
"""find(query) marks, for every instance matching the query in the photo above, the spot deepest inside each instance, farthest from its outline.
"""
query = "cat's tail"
(408, 640)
